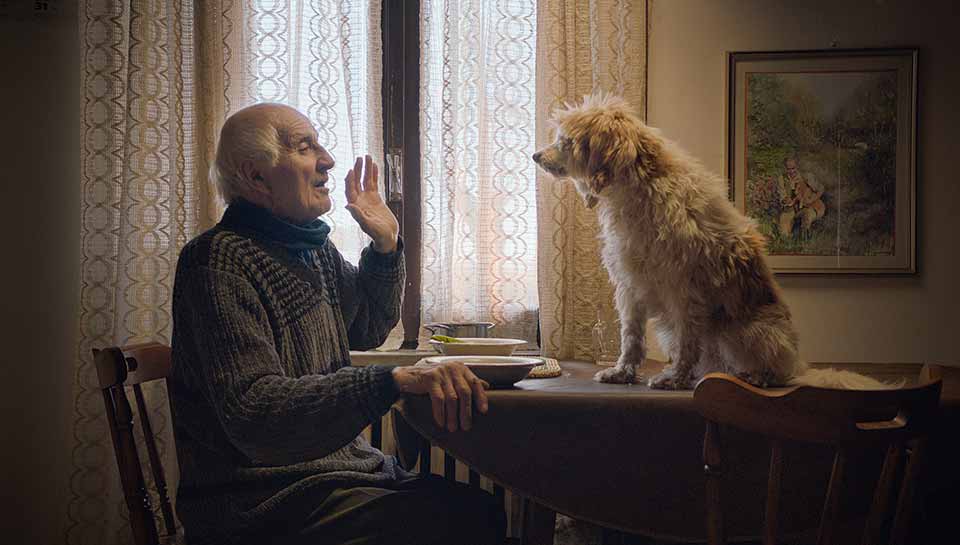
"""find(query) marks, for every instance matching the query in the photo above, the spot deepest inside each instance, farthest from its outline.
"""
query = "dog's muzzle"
(547, 166)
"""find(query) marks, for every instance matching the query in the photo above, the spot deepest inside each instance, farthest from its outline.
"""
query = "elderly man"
(267, 409)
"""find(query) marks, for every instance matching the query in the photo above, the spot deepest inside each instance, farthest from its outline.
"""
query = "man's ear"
(255, 181)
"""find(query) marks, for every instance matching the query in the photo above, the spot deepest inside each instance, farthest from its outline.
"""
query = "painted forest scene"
(821, 158)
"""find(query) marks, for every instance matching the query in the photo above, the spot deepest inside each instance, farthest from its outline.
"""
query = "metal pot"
(459, 329)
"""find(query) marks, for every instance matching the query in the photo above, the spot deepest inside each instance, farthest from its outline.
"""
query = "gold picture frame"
(821, 152)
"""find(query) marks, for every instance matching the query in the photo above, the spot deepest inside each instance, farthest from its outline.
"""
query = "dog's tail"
(841, 380)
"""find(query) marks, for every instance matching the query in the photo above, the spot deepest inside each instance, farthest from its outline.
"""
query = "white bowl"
(477, 346)
(499, 371)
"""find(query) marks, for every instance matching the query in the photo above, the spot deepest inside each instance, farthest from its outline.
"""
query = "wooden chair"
(132, 366)
(896, 420)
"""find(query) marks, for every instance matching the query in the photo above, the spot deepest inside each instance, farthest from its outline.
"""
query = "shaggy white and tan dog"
(676, 249)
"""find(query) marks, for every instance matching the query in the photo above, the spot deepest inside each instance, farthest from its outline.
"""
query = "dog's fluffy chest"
(632, 253)
(629, 238)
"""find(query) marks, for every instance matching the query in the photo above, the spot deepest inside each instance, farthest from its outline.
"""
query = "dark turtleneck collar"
(245, 216)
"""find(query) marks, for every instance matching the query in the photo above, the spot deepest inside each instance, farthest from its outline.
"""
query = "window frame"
(400, 32)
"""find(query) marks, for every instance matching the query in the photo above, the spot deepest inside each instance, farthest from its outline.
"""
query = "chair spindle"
(831, 507)
(898, 535)
(882, 495)
(773, 493)
(156, 467)
(712, 469)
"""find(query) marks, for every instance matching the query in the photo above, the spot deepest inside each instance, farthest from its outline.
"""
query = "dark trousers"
(427, 510)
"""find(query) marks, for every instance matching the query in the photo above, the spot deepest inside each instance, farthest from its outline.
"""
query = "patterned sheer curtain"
(582, 47)
(478, 70)
(158, 79)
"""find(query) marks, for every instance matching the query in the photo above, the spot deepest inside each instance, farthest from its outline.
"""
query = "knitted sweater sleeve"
(270, 418)
(370, 295)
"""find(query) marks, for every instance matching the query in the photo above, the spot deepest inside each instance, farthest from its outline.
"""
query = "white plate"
(478, 346)
(499, 371)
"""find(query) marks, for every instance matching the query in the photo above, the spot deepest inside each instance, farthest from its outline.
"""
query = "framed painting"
(821, 153)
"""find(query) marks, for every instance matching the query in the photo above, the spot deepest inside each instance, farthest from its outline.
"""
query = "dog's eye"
(565, 142)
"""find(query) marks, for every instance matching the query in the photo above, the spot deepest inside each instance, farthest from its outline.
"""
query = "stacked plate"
(476, 346)
(488, 358)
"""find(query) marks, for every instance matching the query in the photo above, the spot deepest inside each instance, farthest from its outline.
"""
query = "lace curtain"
(477, 124)
(158, 79)
(142, 198)
(582, 47)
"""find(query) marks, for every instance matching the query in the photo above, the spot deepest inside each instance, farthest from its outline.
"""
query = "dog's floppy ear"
(599, 180)
(648, 149)
(618, 150)
(627, 149)
(604, 153)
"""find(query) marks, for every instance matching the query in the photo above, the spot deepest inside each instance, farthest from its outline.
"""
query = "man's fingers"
(479, 394)
(451, 404)
(367, 172)
(437, 403)
(350, 185)
(374, 184)
(354, 181)
(466, 400)
(454, 392)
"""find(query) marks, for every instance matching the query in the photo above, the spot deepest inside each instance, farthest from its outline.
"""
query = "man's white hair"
(243, 141)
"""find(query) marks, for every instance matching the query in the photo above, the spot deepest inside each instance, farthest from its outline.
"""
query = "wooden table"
(629, 458)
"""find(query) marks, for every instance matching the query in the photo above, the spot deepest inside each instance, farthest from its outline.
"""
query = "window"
(459, 109)
(446, 88)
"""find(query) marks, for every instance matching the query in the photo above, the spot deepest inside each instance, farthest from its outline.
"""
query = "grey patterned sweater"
(267, 410)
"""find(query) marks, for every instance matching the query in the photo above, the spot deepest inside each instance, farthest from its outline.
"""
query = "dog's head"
(599, 143)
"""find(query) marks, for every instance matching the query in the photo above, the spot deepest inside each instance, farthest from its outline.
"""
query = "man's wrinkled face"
(298, 183)
(555, 158)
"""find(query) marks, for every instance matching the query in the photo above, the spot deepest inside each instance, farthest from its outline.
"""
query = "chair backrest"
(896, 420)
(118, 367)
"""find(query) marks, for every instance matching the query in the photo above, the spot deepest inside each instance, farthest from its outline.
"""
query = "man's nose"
(325, 161)
(537, 156)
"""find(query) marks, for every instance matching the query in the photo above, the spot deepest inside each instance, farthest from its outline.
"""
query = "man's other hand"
(453, 389)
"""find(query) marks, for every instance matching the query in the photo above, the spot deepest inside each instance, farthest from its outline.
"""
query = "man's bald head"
(256, 134)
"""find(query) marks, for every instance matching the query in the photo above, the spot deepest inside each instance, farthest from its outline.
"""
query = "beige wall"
(901, 319)
(840, 319)
(39, 275)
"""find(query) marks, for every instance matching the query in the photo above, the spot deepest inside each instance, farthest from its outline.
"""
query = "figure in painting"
(800, 197)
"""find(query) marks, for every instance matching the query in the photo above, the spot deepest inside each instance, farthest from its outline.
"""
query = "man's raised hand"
(367, 207)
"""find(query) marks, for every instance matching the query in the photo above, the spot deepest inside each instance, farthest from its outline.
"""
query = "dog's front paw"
(668, 380)
(620, 374)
